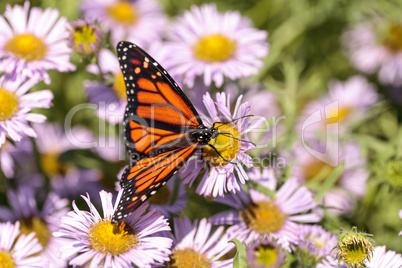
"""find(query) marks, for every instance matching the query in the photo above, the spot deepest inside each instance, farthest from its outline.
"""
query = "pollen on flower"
(119, 86)
(26, 46)
(226, 143)
(6, 260)
(393, 40)
(338, 115)
(184, 258)
(214, 48)
(123, 12)
(263, 217)
(8, 104)
(266, 255)
(161, 197)
(37, 225)
(112, 239)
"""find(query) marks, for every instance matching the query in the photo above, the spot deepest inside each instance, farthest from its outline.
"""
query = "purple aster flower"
(220, 176)
(314, 245)
(42, 223)
(215, 45)
(85, 37)
(277, 217)
(265, 253)
(376, 47)
(381, 259)
(342, 197)
(18, 250)
(95, 241)
(195, 245)
(141, 21)
(67, 180)
(6, 160)
(33, 41)
(16, 106)
(346, 103)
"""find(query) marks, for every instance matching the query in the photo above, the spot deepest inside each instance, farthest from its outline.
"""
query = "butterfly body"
(162, 129)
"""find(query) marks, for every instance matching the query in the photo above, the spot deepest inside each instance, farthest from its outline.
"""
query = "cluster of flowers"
(275, 215)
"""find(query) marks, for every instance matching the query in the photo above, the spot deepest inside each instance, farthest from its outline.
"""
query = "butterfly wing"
(157, 112)
(158, 115)
(147, 176)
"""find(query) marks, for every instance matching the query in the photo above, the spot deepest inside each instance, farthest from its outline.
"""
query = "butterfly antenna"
(234, 120)
(213, 147)
(227, 134)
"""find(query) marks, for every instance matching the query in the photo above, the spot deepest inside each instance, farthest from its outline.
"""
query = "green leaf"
(240, 259)
(330, 182)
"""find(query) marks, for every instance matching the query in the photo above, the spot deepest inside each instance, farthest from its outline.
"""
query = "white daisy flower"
(16, 106)
(33, 41)
(215, 45)
(18, 250)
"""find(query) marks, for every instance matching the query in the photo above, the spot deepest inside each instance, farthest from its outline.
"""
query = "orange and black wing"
(158, 112)
(147, 176)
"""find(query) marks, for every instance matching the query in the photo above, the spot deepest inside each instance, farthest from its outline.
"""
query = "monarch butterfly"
(162, 129)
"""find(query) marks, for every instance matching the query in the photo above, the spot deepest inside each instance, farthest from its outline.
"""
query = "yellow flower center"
(38, 226)
(51, 165)
(119, 86)
(112, 239)
(8, 104)
(393, 40)
(266, 255)
(184, 258)
(123, 12)
(214, 48)
(263, 217)
(161, 197)
(226, 143)
(317, 167)
(5, 260)
(338, 115)
(26, 46)
(85, 36)
(355, 253)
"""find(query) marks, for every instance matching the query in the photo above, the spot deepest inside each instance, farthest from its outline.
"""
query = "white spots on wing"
(125, 49)
(143, 198)
(124, 57)
(131, 77)
(132, 91)
(125, 65)
(155, 63)
(164, 72)
(146, 59)
(163, 183)
(153, 192)
(130, 46)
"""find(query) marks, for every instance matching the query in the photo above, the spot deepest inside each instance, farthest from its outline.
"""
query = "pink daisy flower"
(376, 47)
(33, 41)
(141, 21)
(260, 216)
(16, 106)
(220, 175)
(215, 45)
(341, 199)
(43, 223)
(346, 103)
(95, 241)
(196, 245)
